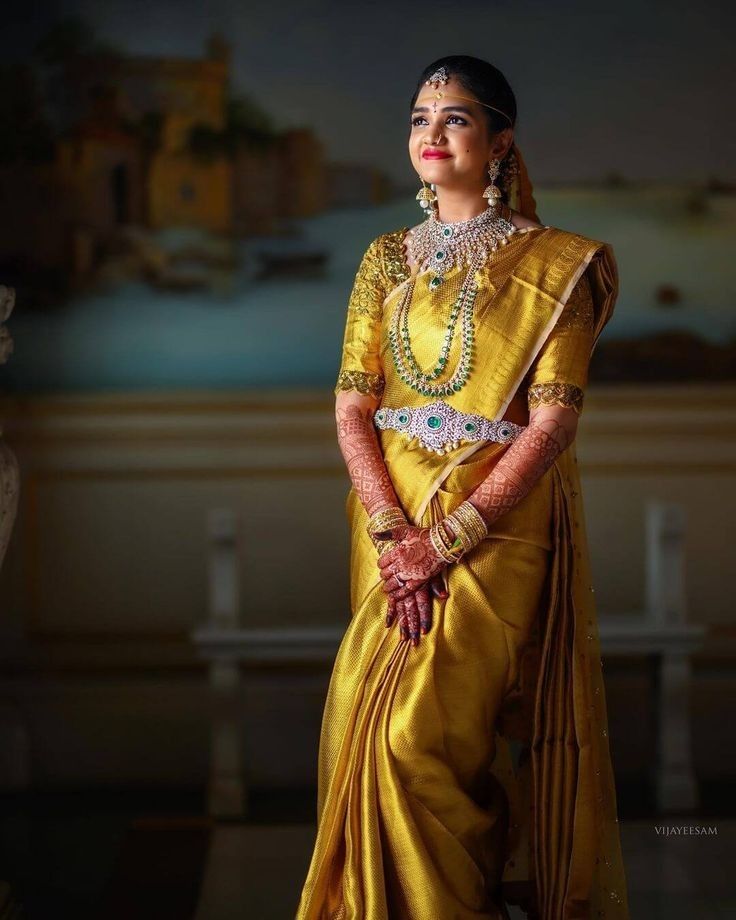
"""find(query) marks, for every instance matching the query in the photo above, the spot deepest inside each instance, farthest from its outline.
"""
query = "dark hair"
(482, 80)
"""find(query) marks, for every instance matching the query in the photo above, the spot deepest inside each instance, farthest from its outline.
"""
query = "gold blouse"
(558, 374)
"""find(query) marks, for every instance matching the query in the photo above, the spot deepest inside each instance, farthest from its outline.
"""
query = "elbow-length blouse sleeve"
(559, 373)
(361, 368)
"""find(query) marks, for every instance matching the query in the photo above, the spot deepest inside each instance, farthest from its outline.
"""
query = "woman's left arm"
(555, 394)
(551, 430)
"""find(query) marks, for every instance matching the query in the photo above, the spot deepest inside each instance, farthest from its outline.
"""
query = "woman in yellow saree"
(464, 762)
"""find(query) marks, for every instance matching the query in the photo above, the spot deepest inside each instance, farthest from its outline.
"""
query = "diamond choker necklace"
(439, 246)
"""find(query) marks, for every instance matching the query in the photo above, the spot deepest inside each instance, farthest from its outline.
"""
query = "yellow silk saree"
(473, 771)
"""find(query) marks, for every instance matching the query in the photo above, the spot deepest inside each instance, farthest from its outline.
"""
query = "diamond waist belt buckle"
(440, 428)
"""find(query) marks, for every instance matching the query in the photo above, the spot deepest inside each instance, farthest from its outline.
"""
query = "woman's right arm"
(360, 385)
(358, 441)
(361, 449)
(357, 396)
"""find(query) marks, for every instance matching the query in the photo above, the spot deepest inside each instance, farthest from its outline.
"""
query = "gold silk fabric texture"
(473, 771)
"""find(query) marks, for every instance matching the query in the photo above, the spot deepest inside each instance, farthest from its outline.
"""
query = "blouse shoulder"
(578, 312)
(559, 372)
(392, 255)
(382, 267)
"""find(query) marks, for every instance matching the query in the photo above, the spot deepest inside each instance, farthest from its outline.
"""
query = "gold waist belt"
(440, 428)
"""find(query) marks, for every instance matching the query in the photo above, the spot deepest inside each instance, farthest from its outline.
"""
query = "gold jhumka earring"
(427, 198)
(493, 193)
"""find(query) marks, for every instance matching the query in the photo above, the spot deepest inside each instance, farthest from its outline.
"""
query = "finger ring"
(400, 581)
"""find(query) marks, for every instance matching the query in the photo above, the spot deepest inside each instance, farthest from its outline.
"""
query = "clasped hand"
(416, 563)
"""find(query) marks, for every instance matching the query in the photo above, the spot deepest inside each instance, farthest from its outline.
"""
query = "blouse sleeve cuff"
(360, 381)
(554, 393)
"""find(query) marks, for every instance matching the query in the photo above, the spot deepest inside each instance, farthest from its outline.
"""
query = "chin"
(436, 173)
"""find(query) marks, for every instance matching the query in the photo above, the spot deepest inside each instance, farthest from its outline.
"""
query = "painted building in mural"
(147, 142)
(156, 103)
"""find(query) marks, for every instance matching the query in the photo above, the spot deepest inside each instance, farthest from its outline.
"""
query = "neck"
(458, 204)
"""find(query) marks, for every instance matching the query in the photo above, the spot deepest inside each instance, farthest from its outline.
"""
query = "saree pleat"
(473, 771)
(348, 809)
(554, 749)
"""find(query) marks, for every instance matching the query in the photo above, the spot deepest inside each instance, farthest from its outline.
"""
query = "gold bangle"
(461, 533)
(438, 542)
(468, 524)
(453, 545)
(383, 546)
(473, 519)
(386, 519)
(443, 534)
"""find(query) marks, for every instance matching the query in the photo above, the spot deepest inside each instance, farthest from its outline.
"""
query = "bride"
(464, 761)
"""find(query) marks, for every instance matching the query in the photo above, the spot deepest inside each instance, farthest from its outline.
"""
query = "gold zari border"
(368, 384)
(550, 394)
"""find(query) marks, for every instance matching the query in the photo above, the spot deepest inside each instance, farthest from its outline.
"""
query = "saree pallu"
(473, 770)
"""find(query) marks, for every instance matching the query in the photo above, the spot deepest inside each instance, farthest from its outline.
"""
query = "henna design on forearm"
(361, 449)
(522, 465)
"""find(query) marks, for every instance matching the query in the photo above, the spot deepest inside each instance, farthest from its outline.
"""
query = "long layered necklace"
(439, 247)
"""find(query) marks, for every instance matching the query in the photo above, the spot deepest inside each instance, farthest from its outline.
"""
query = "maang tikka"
(439, 77)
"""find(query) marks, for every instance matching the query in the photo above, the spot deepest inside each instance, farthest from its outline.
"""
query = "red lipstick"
(430, 154)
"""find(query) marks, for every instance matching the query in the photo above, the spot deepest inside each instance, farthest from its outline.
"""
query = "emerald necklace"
(438, 247)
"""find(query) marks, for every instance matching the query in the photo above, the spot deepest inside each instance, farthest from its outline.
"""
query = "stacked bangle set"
(445, 546)
(383, 521)
(466, 521)
(468, 525)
